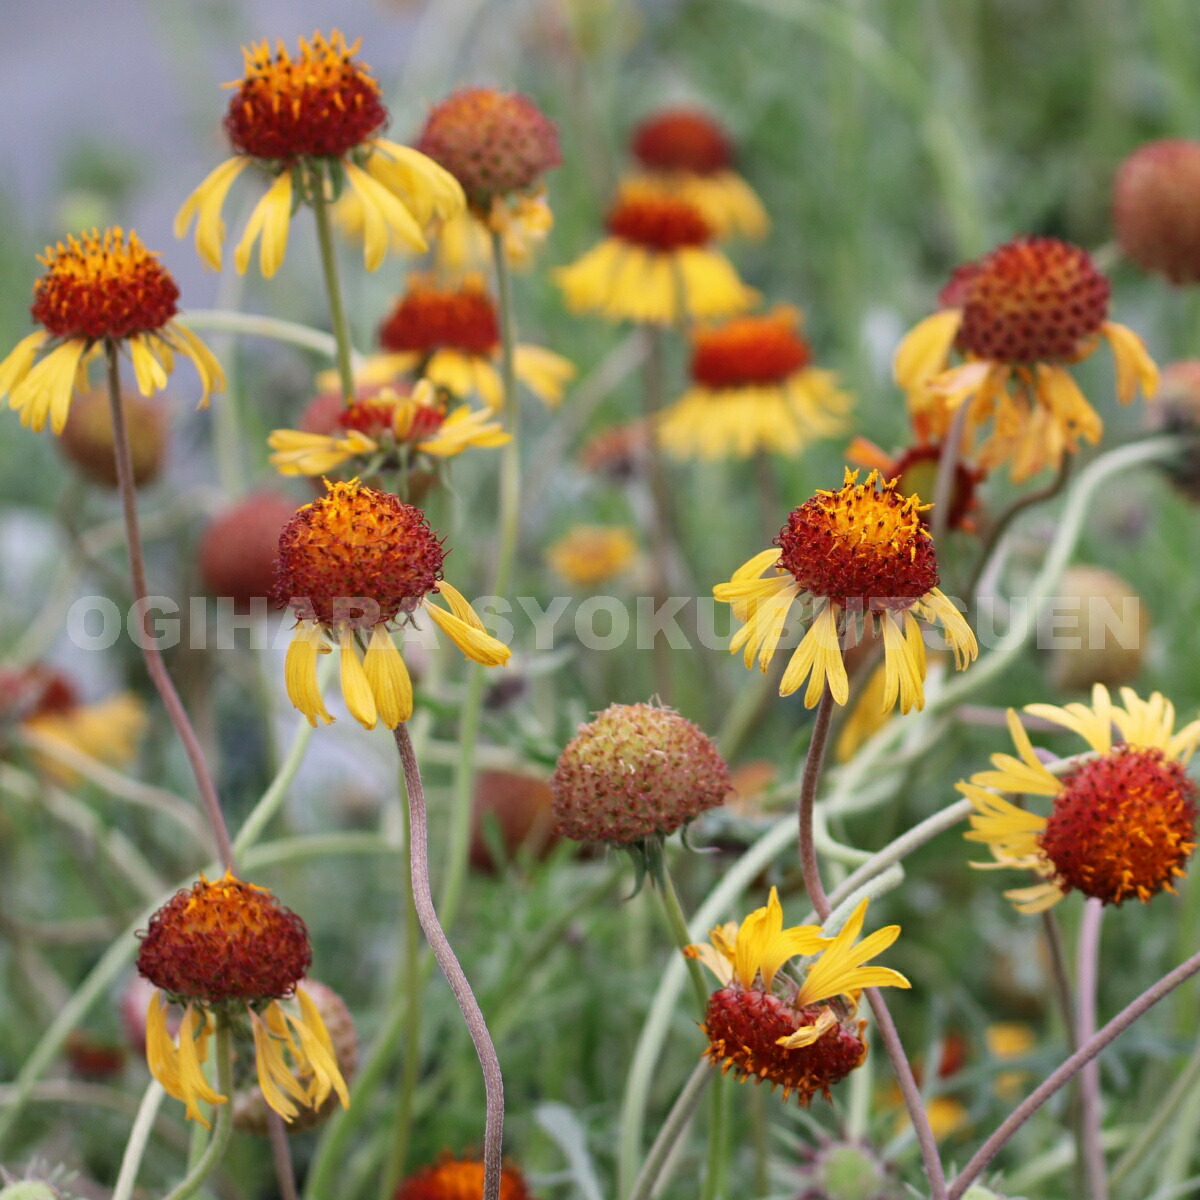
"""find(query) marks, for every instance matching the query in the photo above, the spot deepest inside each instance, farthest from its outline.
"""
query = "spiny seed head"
(460, 1179)
(750, 351)
(744, 1025)
(87, 438)
(657, 221)
(428, 318)
(1030, 300)
(320, 104)
(1123, 825)
(1156, 208)
(357, 544)
(636, 771)
(103, 286)
(864, 544)
(682, 139)
(494, 143)
(225, 941)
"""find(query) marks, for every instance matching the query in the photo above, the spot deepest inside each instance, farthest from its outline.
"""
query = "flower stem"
(333, 287)
(139, 1135)
(510, 461)
(476, 1026)
(214, 1152)
(1063, 1074)
(820, 902)
(679, 931)
(660, 501)
(1091, 1152)
(154, 662)
(281, 1156)
(672, 1130)
(943, 488)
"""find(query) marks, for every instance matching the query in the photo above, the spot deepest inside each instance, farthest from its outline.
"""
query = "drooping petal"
(925, 349)
(1135, 367)
(384, 216)
(300, 672)
(904, 665)
(47, 389)
(207, 201)
(356, 689)
(388, 678)
(150, 374)
(20, 359)
(270, 219)
(818, 659)
(425, 186)
(317, 1053)
(191, 1075)
(212, 376)
(465, 629)
(274, 1077)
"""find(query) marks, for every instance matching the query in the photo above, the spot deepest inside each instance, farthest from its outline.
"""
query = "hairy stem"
(672, 1130)
(333, 287)
(1091, 1152)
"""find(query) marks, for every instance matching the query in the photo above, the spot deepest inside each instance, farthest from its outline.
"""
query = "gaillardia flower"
(861, 552)
(656, 266)
(684, 150)
(587, 555)
(754, 388)
(313, 123)
(229, 952)
(795, 1031)
(460, 1179)
(351, 564)
(1019, 317)
(1123, 817)
(451, 336)
(99, 291)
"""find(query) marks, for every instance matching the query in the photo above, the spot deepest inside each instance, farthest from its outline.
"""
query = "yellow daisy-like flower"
(591, 554)
(312, 123)
(450, 335)
(351, 564)
(684, 150)
(859, 553)
(231, 953)
(99, 291)
(1123, 818)
(1019, 317)
(754, 389)
(657, 266)
(798, 1032)
(383, 429)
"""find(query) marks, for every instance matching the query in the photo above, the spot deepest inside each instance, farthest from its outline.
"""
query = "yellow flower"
(859, 553)
(312, 122)
(656, 267)
(99, 292)
(1123, 820)
(754, 389)
(590, 554)
(1019, 317)
(351, 564)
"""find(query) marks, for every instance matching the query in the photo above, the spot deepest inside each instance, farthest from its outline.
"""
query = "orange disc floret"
(1156, 211)
(494, 143)
(460, 1179)
(103, 286)
(657, 221)
(744, 1025)
(748, 352)
(861, 546)
(682, 139)
(357, 557)
(225, 941)
(319, 104)
(1123, 826)
(428, 318)
(1030, 300)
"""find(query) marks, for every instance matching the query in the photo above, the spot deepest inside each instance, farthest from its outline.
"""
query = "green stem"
(254, 325)
(660, 500)
(718, 1130)
(458, 840)
(679, 932)
(139, 1135)
(672, 1130)
(222, 1123)
(510, 462)
(333, 287)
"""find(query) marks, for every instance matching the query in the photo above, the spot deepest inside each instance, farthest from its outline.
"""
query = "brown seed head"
(1156, 209)
(87, 437)
(239, 550)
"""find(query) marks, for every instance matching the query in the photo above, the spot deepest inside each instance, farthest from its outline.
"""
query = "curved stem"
(1067, 1071)
(333, 287)
(256, 325)
(1091, 1152)
(943, 488)
(139, 1135)
(672, 1130)
(476, 1026)
(809, 782)
(214, 1152)
(679, 932)
(154, 662)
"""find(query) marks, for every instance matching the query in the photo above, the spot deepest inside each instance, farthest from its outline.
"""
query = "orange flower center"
(319, 104)
(1031, 300)
(682, 139)
(357, 557)
(860, 546)
(428, 318)
(1123, 825)
(103, 287)
(225, 941)
(751, 351)
(658, 222)
(454, 1179)
(743, 1028)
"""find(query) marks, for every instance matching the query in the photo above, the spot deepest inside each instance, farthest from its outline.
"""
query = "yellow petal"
(207, 201)
(903, 671)
(477, 645)
(840, 970)
(818, 659)
(212, 377)
(19, 360)
(47, 389)
(1135, 367)
(924, 351)
(388, 678)
(384, 216)
(274, 1078)
(149, 372)
(317, 1054)
(300, 672)
(424, 185)
(356, 690)
(191, 1075)
(270, 218)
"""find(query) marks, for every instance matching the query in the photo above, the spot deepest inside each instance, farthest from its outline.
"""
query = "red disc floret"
(744, 1025)
(103, 287)
(357, 557)
(860, 547)
(749, 352)
(428, 318)
(682, 139)
(320, 104)
(225, 941)
(917, 469)
(658, 222)
(1123, 825)
(1030, 300)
